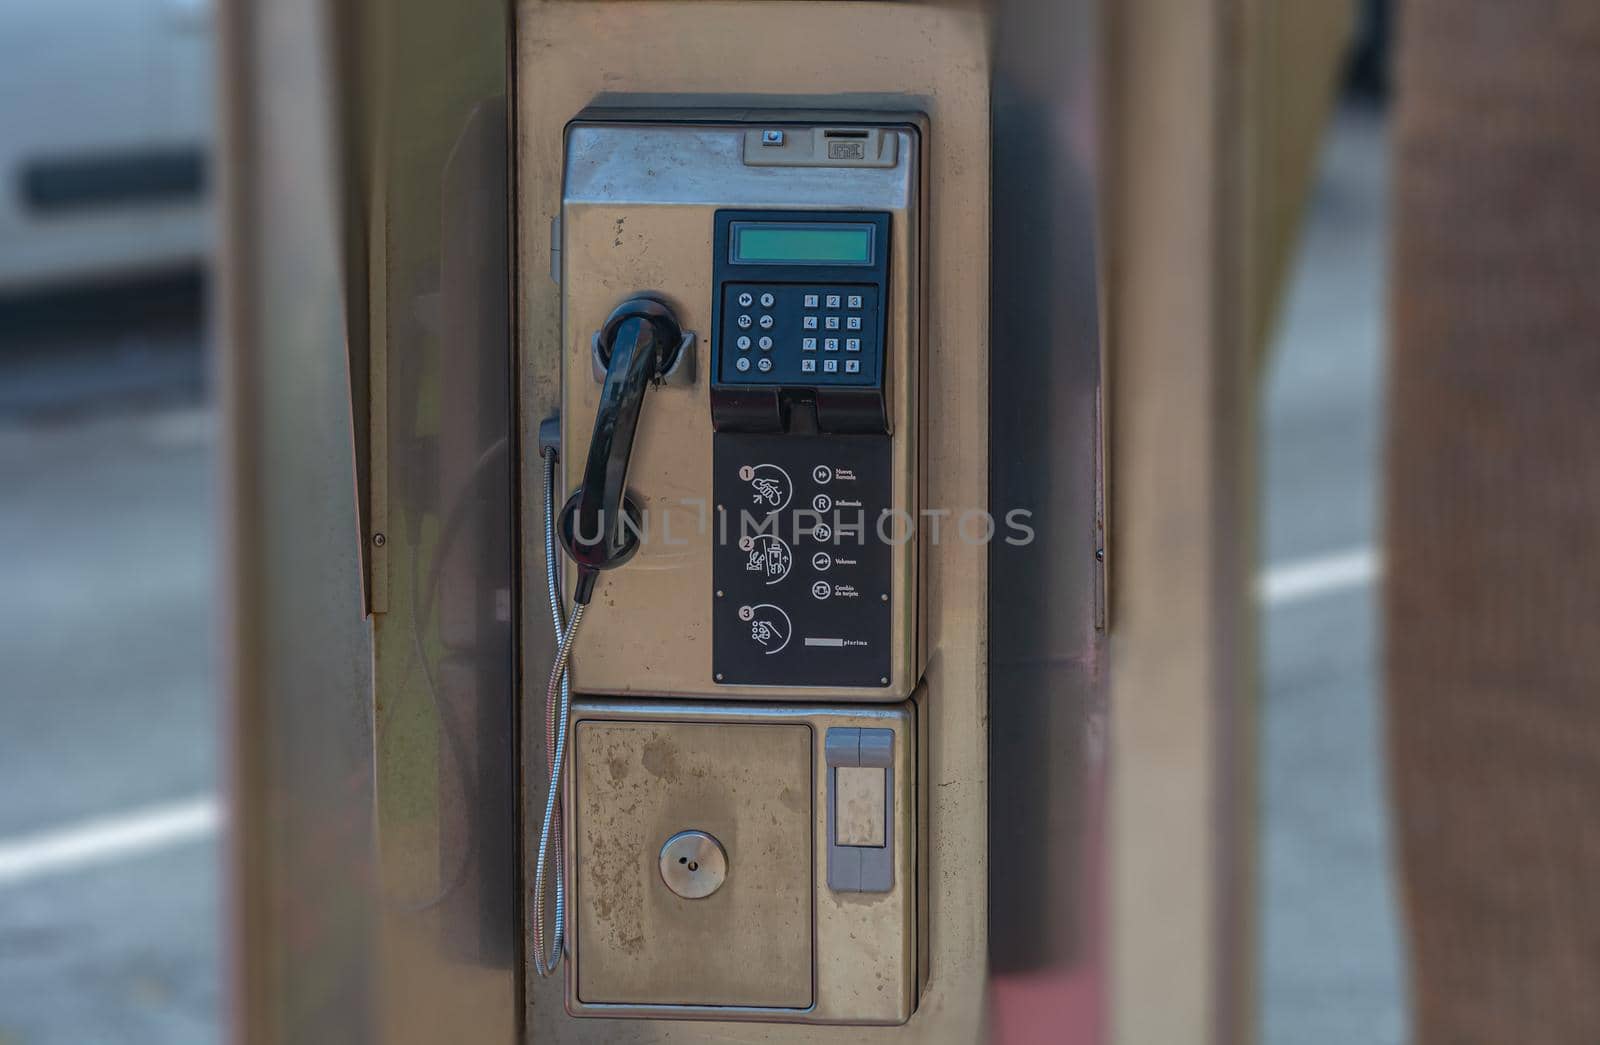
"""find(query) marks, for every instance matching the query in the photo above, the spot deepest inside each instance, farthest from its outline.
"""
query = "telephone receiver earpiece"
(600, 525)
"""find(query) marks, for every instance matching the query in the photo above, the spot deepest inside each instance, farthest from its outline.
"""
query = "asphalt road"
(108, 679)
(1331, 961)
(107, 689)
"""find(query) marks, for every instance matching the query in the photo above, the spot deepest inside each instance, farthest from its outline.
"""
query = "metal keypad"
(801, 324)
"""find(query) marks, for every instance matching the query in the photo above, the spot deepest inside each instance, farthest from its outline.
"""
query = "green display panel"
(793, 244)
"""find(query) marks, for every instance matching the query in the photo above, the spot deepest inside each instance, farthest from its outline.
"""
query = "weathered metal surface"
(884, 57)
(635, 784)
(637, 213)
(753, 775)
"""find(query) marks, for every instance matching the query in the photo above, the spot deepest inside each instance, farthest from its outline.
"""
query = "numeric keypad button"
(853, 301)
(811, 301)
(833, 301)
(809, 322)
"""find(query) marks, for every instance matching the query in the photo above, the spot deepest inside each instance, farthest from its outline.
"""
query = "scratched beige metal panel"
(885, 57)
(747, 785)
(864, 968)
(658, 239)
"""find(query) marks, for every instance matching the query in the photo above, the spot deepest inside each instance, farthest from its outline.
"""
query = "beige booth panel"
(746, 785)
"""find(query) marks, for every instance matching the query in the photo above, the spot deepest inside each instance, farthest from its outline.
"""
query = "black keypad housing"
(756, 294)
(848, 336)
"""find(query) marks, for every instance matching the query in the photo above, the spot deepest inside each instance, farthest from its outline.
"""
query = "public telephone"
(733, 723)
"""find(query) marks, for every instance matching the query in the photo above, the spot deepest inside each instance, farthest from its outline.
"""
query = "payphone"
(734, 479)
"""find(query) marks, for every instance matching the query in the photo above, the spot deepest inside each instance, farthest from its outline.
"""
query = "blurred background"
(108, 698)
(109, 718)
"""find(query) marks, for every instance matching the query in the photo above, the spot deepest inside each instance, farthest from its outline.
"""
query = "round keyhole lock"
(693, 864)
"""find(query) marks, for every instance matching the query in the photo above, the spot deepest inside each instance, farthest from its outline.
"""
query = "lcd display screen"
(796, 244)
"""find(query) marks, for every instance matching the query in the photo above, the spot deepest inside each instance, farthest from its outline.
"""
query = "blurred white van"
(105, 139)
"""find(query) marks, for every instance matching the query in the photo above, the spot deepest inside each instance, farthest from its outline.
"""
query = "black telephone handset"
(638, 345)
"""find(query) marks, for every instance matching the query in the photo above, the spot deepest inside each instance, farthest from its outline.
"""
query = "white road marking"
(1301, 579)
(106, 839)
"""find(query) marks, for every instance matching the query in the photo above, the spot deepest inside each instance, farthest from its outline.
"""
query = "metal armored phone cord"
(557, 708)
(640, 340)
